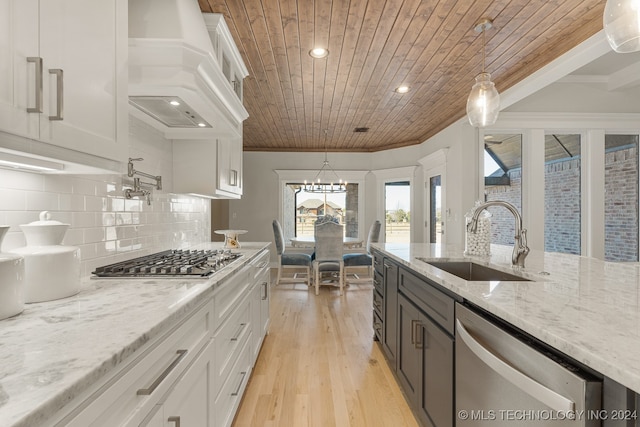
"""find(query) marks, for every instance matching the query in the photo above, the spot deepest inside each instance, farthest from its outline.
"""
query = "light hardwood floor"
(319, 365)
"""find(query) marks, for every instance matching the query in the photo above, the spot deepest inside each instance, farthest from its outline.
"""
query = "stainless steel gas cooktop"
(171, 263)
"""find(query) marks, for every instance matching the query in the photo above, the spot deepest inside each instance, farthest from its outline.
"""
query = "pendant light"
(326, 180)
(483, 103)
(622, 25)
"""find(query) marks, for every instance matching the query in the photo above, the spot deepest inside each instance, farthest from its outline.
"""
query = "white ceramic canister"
(11, 281)
(52, 271)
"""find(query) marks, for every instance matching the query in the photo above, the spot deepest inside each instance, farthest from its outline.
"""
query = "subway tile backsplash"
(107, 227)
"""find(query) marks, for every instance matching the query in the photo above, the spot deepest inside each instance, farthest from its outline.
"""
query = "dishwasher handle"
(530, 386)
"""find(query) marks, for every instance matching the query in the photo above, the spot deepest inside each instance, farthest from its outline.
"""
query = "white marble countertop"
(55, 350)
(586, 308)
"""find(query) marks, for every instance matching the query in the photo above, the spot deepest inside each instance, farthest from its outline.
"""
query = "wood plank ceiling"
(376, 46)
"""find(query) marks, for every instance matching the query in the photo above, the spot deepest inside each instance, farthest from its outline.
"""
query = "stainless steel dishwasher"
(504, 378)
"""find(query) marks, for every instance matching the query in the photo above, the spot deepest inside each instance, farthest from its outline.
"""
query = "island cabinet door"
(436, 391)
(390, 301)
(425, 365)
(409, 361)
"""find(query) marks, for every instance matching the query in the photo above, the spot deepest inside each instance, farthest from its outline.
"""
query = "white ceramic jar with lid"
(11, 281)
(52, 270)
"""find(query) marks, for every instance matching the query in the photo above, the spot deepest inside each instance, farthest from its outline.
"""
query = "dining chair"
(289, 260)
(363, 259)
(329, 248)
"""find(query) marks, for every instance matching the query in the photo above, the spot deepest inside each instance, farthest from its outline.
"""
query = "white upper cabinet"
(63, 73)
(226, 52)
(207, 168)
(229, 168)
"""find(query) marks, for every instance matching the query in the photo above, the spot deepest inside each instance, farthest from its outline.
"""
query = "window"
(503, 181)
(621, 198)
(306, 208)
(397, 212)
(562, 210)
(297, 220)
(435, 209)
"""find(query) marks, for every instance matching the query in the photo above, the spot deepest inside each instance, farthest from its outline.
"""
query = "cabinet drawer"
(378, 304)
(229, 398)
(439, 306)
(229, 340)
(229, 295)
(377, 282)
(378, 262)
(377, 327)
(260, 264)
(135, 389)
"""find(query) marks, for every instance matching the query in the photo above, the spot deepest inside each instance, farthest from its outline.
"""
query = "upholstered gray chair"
(363, 259)
(328, 255)
(287, 260)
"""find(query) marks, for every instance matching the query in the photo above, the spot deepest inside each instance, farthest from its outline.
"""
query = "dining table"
(309, 242)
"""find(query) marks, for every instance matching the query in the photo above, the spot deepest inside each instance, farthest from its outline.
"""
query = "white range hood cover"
(171, 55)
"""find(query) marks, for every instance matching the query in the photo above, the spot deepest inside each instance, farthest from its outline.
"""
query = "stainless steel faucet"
(137, 190)
(520, 248)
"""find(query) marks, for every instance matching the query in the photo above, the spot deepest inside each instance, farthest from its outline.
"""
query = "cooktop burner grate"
(171, 263)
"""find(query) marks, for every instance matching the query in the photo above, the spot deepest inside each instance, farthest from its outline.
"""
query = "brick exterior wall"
(351, 211)
(502, 222)
(621, 205)
(562, 206)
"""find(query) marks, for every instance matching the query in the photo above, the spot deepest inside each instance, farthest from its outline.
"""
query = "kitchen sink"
(473, 272)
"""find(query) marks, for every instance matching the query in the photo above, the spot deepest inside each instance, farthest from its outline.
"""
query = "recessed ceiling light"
(202, 125)
(174, 102)
(319, 52)
(402, 89)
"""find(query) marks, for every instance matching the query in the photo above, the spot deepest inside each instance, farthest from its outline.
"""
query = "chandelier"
(622, 25)
(326, 180)
(483, 103)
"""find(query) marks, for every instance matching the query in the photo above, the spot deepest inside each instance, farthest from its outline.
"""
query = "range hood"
(176, 81)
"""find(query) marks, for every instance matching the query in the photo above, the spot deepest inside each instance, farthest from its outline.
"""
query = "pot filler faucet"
(520, 248)
(138, 190)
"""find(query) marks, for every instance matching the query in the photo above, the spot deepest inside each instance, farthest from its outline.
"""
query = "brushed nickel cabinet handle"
(419, 343)
(237, 390)
(59, 93)
(413, 332)
(233, 178)
(175, 420)
(265, 295)
(235, 338)
(147, 391)
(38, 61)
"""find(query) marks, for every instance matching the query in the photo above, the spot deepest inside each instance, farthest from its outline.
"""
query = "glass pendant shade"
(483, 103)
(622, 25)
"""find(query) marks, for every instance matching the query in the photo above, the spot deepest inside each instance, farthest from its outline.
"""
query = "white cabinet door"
(211, 168)
(63, 75)
(191, 401)
(82, 105)
(18, 42)
(230, 166)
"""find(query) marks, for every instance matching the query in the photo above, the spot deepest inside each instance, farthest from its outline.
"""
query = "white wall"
(568, 97)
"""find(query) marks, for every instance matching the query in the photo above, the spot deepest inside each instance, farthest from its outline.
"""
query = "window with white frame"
(299, 209)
